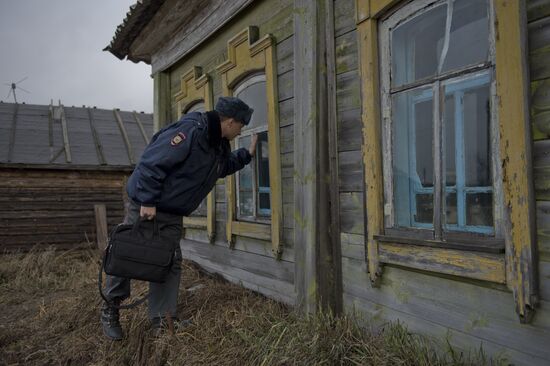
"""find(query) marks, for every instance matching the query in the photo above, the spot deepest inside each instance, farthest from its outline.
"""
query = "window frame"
(516, 267)
(256, 217)
(247, 54)
(196, 87)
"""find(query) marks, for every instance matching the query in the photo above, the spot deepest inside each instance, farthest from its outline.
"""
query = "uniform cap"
(233, 107)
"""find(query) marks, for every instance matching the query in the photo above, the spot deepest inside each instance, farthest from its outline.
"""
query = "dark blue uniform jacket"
(182, 162)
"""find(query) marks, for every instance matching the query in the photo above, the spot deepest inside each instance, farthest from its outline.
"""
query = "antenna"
(14, 86)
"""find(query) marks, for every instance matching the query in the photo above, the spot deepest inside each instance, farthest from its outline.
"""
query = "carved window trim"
(196, 87)
(516, 268)
(247, 55)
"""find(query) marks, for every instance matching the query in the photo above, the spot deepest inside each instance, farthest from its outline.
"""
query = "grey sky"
(57, 45)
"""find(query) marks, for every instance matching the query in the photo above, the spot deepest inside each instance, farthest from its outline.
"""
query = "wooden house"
(57, 165)
(403, 168)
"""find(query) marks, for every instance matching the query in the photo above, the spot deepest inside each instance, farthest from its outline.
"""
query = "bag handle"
(138, 222)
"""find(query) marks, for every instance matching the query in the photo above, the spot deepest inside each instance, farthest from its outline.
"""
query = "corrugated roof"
(71, 136)
(136, 19)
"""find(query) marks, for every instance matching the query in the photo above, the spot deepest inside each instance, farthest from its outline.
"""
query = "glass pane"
(479, 209)
(255, 96)
(450, 208)
(477, 151)
(201, 210)
(450, 135)
(246, 204)
(424, 208)
(417, 46)
(262, 157)
(412, 154)
(469, 37)
(264, 201)
(197, 107)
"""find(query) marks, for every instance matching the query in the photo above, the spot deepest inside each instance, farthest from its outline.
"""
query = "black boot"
(110, 321)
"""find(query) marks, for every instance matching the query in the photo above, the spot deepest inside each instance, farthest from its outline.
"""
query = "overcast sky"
(57, 45)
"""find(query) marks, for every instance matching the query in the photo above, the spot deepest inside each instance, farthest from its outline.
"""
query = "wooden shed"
(404, 157)
(56, 164)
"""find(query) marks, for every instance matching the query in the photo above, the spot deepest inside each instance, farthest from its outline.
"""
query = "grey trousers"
(163, 297)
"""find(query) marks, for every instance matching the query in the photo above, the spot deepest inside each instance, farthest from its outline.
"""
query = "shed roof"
(59, 136)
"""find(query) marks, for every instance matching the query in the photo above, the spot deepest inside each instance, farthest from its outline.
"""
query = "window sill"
(475, 261)
(195, 222)
(495, 246)
(251, 230)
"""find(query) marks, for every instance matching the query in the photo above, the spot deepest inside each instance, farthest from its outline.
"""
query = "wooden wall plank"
(351, 171)
(350, 130)
(537, 9)
(346, 52)
(344, 16)
(53, 207)
(541, 169)
(539, 49)
(465, 307)
(380, 315)
(543, 229)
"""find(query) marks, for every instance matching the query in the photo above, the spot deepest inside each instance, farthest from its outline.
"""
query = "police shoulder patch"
(176, 140)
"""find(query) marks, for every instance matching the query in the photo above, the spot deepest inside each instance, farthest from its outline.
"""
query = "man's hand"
(253, 143)
(148, 213)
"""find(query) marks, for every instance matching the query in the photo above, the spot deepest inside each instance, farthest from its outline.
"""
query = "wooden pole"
(101, 226)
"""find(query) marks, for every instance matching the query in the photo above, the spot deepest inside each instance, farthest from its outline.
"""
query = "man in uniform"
(176, 172)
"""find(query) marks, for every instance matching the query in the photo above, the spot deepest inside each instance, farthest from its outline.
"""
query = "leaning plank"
(124, 136)
(141, 129)
(64, 127)
(97, 142)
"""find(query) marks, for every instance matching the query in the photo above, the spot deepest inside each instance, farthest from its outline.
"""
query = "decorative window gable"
(258, 213)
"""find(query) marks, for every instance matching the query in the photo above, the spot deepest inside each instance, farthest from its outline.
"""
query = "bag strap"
(110, 302)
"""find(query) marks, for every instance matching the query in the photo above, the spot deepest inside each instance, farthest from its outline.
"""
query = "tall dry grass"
(50, 316)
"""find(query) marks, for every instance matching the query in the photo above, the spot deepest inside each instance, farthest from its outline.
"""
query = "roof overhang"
(160, 32)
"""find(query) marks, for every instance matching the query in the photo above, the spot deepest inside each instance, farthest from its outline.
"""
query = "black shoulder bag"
(133, 254)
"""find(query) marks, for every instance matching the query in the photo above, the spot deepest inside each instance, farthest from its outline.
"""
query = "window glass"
(468, 182)
(254, 188)
(413, 157)
(469, 35)
(262, 158)
(255, 96)
(416, 46)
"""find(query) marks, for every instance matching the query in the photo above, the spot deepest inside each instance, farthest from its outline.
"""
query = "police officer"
(176, 172)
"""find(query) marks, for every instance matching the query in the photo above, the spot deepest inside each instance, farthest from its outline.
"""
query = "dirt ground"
(49, 315)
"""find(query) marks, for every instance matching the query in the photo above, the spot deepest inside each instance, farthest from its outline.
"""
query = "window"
(254, 195)
(437, 89)
(442, 159)
(253, 187)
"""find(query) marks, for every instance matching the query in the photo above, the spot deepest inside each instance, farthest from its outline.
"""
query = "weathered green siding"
(469, 313)
(251, 262)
